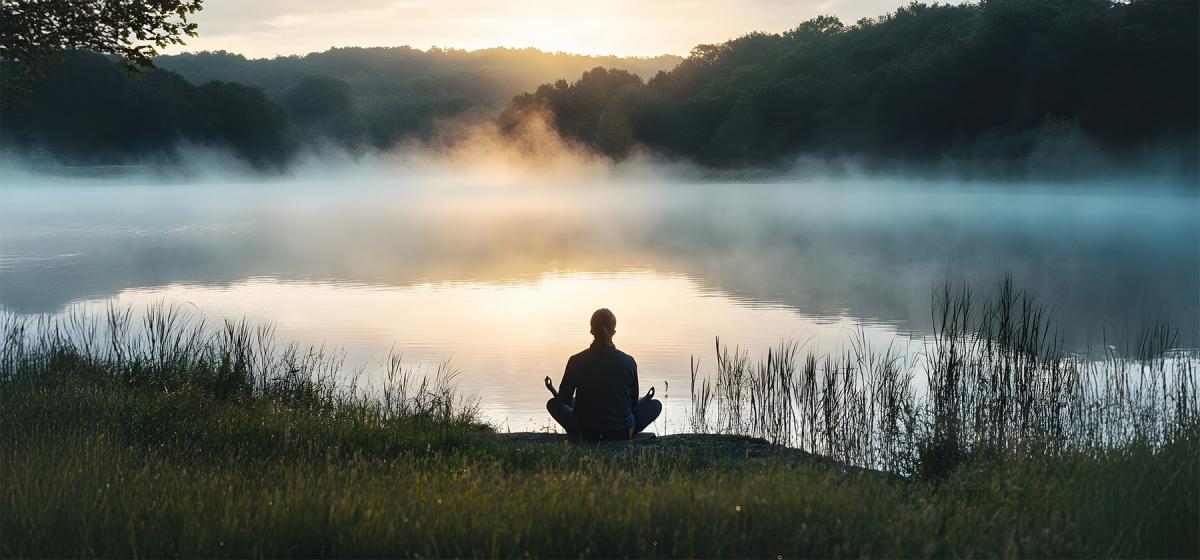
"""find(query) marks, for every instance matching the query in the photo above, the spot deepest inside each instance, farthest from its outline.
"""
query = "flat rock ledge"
(729, 445)
(548, 437)
(713, 445)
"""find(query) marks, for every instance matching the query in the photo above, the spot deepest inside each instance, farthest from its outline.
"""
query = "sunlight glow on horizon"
(505, 336)
(268, 28)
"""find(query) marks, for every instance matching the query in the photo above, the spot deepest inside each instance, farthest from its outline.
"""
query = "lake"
(500, 278)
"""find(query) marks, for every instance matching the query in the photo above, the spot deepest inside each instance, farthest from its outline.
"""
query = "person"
(598, 396)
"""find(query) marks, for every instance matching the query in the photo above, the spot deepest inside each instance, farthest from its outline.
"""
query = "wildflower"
(737, 508)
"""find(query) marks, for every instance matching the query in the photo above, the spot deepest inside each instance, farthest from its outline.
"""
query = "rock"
(546, 437)
(711, 446)
(729, 445)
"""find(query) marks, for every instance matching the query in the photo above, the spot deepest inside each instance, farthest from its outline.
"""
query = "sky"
(267, 28)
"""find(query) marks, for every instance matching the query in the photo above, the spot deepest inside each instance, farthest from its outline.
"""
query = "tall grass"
(168, 350)
(992, 380)
(996, 382)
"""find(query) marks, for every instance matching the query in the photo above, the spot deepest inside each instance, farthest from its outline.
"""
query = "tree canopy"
(80, 110)
(32, 30)
(86, 111)
(1001, 79)
(397, 93)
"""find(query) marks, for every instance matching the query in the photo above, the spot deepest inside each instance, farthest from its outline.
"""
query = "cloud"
(267, 28)
(288, 20)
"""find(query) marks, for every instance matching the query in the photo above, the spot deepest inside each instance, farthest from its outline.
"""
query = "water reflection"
(506, 336)
(503, 279)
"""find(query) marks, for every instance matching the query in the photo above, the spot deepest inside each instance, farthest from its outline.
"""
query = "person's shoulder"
(626, 357)
(578, 355)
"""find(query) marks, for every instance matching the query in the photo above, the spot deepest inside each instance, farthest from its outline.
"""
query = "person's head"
(604, 324)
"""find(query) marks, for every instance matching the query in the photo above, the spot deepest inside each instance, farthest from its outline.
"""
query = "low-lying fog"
(501, 275)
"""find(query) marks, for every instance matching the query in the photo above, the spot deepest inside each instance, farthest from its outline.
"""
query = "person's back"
(598, 396)
(604, 382)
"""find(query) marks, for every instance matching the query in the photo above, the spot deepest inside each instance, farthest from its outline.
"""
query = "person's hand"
(550, 386)
(650, 393)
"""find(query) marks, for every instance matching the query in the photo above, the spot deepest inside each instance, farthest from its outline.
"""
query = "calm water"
(501, 279)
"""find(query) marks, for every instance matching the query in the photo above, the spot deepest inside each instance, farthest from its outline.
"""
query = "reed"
(997, 382)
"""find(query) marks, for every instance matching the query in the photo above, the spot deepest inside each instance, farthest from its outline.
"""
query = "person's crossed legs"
(647, 411)
(563, 412)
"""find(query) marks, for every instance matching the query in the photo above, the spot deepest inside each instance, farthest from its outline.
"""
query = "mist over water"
(498, 270)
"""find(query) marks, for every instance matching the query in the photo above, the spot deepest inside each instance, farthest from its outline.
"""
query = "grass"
(992, 381)
(176, 439)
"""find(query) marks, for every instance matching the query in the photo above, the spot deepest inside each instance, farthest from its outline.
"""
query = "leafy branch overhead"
(31, 31)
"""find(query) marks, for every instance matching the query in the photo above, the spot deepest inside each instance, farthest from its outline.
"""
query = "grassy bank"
(170, 438)
(93, 469)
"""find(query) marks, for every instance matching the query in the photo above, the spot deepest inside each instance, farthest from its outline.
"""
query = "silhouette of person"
(598, 396)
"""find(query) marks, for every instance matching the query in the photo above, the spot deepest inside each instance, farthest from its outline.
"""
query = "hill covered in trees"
(1001, 80)
(1045, 83)
(380, 96)
(84, 110)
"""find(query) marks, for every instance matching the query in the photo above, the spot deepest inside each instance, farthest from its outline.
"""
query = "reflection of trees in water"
(864, 254)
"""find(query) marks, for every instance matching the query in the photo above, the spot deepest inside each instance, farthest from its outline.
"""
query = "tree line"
(1001, 80)
(997, 80)
(84, 108)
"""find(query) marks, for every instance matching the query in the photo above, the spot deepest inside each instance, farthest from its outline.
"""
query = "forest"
(1051, 83)
(999, 80)
(85, 110)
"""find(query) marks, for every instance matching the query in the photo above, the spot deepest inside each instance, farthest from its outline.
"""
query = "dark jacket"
(604, 382)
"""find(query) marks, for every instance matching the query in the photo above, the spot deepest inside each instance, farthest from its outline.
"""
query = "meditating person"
(598, 396)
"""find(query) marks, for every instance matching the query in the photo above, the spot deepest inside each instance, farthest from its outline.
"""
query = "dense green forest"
(483, 75)
(84, 110)
(1043, 82)
(87, 111)
(1001, 80)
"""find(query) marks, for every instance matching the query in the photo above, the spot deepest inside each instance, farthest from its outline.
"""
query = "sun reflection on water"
(504, 337)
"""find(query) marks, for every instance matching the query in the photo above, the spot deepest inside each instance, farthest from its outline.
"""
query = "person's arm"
(566, 388)
(633, 387)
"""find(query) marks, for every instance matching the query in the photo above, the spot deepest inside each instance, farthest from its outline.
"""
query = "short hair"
(603, 318)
